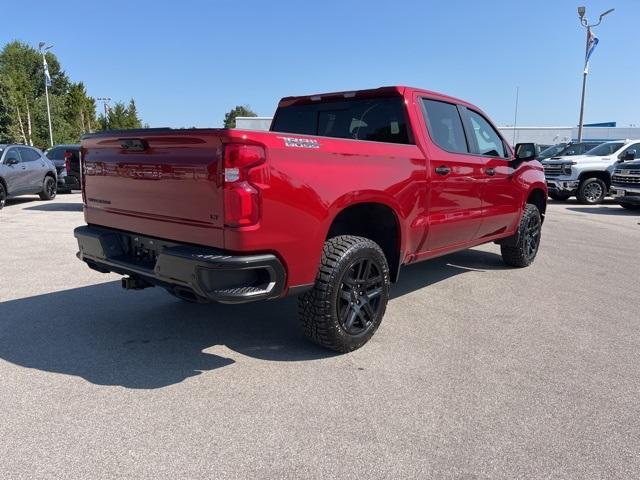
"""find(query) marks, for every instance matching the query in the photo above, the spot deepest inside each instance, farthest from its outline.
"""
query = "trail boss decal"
(300, 142)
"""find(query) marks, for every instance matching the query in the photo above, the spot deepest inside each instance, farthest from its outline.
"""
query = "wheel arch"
(375, 220)
(603, 175)
(538, 197)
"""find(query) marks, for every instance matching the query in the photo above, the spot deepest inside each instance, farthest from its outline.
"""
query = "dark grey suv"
(25, 171)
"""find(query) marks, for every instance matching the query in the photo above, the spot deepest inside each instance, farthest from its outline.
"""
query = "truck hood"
(633, 165)
(584, 159)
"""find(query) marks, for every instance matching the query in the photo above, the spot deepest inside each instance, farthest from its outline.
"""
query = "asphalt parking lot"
(478, 370)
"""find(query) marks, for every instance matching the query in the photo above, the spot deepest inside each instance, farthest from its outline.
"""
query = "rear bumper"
(622, 194)
(199, 273)
(71, 182)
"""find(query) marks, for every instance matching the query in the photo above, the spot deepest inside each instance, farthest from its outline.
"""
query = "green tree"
(121, 117)
(238, 111)
(7, 129)
(23, 112)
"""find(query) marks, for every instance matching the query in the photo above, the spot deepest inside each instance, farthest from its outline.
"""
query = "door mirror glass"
(525, 151)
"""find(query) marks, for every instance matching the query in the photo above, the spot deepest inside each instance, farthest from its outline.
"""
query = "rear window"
(56, 153)
(375, 119)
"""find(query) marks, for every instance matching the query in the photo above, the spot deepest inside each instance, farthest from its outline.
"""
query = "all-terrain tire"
(524, 252)
(592, 191)
(49, 188)
(346, 305)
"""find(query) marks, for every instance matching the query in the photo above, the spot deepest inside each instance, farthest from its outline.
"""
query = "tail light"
(242, 178)
(67, 161)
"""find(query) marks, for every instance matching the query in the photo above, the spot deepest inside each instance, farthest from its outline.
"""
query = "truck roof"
(400, 90)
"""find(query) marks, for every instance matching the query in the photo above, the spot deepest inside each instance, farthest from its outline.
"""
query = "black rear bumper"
(192, 272)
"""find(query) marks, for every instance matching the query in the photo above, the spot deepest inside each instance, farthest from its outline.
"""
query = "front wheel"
(49, 189)
(3, 195)
(592, 191)
(524, 252)
(349, 298)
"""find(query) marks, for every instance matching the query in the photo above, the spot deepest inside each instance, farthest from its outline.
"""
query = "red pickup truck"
(344, 190)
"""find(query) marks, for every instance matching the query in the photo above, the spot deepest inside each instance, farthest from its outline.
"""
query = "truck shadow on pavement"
(148, 339)
(613, 210)
(57, 207)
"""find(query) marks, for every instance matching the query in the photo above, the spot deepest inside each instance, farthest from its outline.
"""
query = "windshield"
(552, 151)
(605, 149)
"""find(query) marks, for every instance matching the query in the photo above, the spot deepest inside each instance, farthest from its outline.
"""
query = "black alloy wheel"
(359, 303)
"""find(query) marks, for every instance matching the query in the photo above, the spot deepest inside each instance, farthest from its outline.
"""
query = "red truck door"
(500, 194)
(455, 203)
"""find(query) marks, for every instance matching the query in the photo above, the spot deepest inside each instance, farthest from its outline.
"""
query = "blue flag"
(592, 42)
(47, 77)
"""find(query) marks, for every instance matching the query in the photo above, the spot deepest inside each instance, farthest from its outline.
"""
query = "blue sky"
(188, 62)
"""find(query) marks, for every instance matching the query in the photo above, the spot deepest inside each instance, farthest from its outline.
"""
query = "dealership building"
(543, 135)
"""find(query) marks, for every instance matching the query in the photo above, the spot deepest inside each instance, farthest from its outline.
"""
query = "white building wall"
(253, 123)
(544, 135)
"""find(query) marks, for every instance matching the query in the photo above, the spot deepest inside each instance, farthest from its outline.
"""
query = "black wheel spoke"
(369, 311)
(374, 293)
(351, 317)
(372, 282)
(358, 303)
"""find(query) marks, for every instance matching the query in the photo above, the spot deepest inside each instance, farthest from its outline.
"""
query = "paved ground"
(478, 371)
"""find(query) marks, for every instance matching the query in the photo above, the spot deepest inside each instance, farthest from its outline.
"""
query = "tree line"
(23, 111)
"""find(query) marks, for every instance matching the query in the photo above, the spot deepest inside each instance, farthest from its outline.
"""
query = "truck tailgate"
(163, 183)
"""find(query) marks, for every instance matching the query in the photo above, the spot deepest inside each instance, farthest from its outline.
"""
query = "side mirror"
(629, 155)
(525, 151)
(11, 161)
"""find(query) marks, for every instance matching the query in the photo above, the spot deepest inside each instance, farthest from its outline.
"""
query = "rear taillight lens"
(242, 177)
(67, 161)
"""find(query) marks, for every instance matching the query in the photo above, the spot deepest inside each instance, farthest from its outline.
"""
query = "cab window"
(29, 154)
(12, 154)
(445, 126)
(487, 141)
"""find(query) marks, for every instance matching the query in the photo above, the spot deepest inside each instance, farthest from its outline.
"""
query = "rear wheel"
(630, 206)
(592, 191)
(3, 195)
(49, 189)
(349, 298)
(560, 197)
(524, 252)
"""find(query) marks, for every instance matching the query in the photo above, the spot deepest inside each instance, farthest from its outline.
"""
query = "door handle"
(23, 167)
(490, 171)
(442, 170)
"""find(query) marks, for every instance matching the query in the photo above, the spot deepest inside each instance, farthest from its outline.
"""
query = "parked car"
(344, 190)
(625, 182)
(587, 176)
(66, 158)
(25, 171)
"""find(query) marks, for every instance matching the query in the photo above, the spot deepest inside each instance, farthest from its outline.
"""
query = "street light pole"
(47, 80)
(585, 23)
(105, 101)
